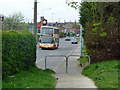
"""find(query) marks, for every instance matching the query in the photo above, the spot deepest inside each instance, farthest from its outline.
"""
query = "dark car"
(74, 41)
(67, 39)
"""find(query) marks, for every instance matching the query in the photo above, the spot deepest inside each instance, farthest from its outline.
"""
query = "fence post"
(89, 59)
(45, 63)
(66, 64)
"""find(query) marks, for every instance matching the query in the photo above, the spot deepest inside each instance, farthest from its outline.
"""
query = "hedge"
(18, 52)
(103, 48)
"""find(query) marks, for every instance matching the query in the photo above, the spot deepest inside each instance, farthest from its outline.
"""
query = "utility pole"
(52, 18)
(35, 19)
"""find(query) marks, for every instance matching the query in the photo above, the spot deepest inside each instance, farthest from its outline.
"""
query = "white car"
(74, 41)
(77, 35)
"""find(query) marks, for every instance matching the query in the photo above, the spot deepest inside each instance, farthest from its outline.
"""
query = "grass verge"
(83, 60)
(105, 74)
(34, 78)
(78, 39)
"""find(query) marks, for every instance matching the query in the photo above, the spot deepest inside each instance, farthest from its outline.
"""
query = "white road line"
(63, 60)
(58, 64)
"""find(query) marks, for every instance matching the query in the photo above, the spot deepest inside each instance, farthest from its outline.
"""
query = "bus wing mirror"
(53, 39)
(39, 39)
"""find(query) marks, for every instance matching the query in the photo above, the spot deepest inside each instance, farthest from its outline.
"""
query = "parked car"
(67, 39)
(74, 41)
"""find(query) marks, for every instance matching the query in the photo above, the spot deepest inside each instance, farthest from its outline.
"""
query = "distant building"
(65, 27)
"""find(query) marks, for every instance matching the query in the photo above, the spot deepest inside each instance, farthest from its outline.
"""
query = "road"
(65, 48)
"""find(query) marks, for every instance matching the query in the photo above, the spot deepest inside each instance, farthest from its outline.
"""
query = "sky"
(52, 10)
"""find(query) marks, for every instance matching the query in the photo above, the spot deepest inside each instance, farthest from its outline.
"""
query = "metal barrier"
(81, 56)
(57, 56)
(66, 59)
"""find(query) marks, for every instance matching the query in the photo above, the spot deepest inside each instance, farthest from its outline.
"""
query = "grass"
(78, 39)
(105, 74)
(83, 60)
(34, 78)
(84, 52)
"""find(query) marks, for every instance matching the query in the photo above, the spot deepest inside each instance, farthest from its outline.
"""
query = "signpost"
(81, 40)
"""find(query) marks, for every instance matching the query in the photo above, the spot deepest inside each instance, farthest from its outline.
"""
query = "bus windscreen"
(46, 40)
(47, 30)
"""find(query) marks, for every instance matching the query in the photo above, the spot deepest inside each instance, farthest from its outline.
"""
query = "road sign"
(71, 32)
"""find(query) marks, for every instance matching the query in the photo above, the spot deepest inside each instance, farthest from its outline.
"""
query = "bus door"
(56, 42)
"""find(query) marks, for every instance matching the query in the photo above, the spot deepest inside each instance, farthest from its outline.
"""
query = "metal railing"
(55, 56)
(81, 56)
(67, 57)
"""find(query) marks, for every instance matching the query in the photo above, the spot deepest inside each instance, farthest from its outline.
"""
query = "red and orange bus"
(49, 37)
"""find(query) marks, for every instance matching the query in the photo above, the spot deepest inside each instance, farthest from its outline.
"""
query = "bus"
(49, 37)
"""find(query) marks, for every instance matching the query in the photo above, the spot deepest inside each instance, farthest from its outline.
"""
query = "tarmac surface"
(74, 78)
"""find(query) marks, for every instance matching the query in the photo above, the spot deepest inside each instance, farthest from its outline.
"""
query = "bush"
(61, 34)
(102, 48)
(18, 51)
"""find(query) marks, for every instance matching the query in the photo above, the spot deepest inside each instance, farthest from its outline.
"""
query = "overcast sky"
(52, 10)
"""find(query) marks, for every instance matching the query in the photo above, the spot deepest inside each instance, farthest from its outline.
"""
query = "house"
(65, 27)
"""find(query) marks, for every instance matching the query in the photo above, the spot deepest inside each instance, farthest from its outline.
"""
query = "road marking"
(58, 64)
(64, 60)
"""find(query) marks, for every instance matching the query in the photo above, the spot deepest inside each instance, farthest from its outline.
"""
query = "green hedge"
(102, 48)
(18, 51)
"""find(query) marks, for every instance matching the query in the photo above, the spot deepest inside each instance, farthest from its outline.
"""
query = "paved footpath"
(74, 78)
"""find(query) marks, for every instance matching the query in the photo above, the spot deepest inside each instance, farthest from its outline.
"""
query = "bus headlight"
(41, 44)
(51, 45)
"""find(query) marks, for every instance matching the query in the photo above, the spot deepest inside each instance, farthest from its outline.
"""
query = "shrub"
(61, 34)
(99, 47)
(18, 51)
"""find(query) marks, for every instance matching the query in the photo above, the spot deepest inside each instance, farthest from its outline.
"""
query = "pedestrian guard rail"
(67, 57)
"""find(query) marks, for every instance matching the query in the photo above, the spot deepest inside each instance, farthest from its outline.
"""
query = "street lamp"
(59, 20)
(52, 16)
(45, 9)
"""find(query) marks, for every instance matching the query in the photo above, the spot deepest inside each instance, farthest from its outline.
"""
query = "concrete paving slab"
(74, 78)
(74, 81)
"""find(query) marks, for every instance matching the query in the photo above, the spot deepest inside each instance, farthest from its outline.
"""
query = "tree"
(14, 21)
(76, 26)
(61, 34)
(100, 21)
